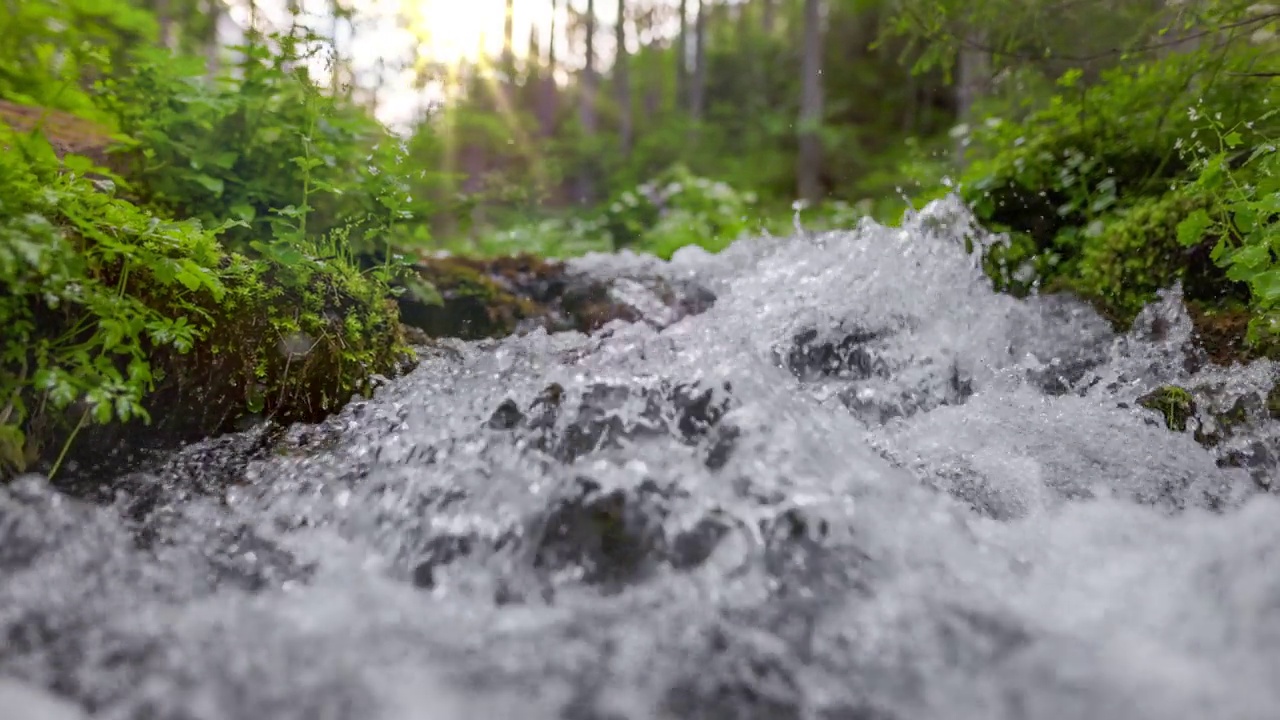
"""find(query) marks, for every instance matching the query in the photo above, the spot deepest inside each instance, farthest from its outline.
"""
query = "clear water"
(850, 490)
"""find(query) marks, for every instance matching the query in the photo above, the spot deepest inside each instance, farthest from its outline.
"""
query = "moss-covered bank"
(1160, 173)
(127, 330)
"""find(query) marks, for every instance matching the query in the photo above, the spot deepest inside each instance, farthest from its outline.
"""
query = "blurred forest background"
(181, 162)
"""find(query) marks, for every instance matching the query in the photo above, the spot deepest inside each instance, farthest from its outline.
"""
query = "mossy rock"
(1220, 329)
(476, 298)
(473, 298)
(1175, 404)
(66, 133)
(274, 350)
(1122, 267)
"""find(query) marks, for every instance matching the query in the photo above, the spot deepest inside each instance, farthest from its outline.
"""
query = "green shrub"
(112, 311)
(1096, 189)
(676, 209)
(91, 286)
(267, 148)
(554, 237)
(1241, 166)
(54, 50)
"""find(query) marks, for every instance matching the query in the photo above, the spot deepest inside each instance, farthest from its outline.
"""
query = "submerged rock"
(1173, 403)
(489, 298)
(605, 416)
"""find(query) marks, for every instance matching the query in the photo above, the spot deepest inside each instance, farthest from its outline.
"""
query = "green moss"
(1174, 403)
(477, 298)
(307, 348)
(1122, 266)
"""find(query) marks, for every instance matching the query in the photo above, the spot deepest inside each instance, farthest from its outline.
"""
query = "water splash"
(861, 485)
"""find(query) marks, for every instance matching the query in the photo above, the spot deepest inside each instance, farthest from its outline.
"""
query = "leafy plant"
(676, 209)
(56, 49)
(92, 285)
(1241, 167)
(266, 147)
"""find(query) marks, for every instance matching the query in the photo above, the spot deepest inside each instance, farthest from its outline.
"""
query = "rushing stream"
(861, 486)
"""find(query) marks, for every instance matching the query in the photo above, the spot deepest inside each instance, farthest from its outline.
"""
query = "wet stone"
(611, 538)
(812, 357)
(244, 559)
(439, 552)
(875, 407)
(608, 415)
(738, 675)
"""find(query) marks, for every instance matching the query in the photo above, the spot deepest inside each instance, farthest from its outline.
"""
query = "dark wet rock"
(802, 559)
(738, 674)
(244, 559)
(694, 546)
(506, 417)
(843, 354)
(1174, 404)
(719, 448)
(605, 416)
(612, 537)
(1258, 458)
(1059, 377)
(439, 552)
(876, 408)
(473, 300)
(1224, 422)
(477, 298)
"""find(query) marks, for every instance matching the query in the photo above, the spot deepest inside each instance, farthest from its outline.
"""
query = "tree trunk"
(809, 161)
(622, 81)
(508, 41)
(652, 84)
(682, 54)
(698, 90)
(335, 79)
(168, 29)
(212, 44)
(548, 100)
(770, 19)
(586, 178)
(551, 36)
(973, 75)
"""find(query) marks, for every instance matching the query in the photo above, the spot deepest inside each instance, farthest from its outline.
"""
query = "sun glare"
(452, 31)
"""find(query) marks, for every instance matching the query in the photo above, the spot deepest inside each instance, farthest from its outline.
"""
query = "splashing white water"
(842, 492)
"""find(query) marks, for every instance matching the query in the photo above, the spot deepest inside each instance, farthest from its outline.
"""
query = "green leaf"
(12, 444)
(1250, 258)
(210, 183)
(423, 291)
(224, 160)
(1192, 228)
(1265, 287)
(1232, 139)
(255, 401)
(244, 211)
(78, 164)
